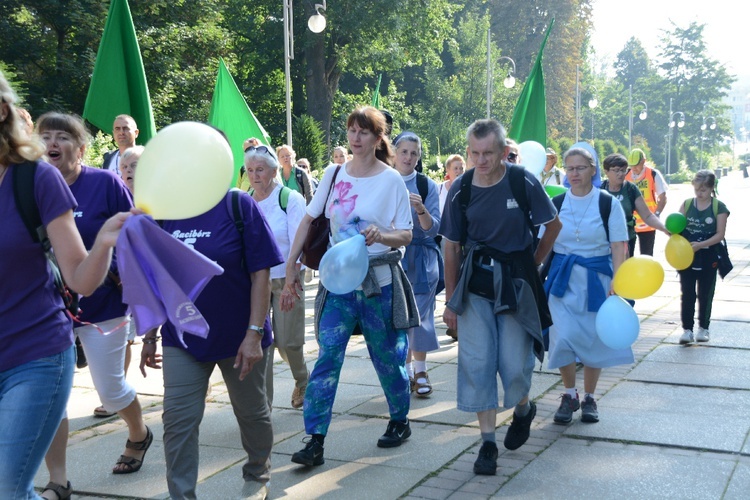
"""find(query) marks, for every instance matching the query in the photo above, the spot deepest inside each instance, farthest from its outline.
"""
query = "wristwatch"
(257, 329)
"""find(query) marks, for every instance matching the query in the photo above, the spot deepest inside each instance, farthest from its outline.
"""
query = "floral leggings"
(387, 347)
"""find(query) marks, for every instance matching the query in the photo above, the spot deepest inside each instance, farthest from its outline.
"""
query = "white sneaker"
(702, 335)
(686, 337)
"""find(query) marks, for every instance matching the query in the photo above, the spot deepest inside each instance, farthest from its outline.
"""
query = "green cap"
(636, 156)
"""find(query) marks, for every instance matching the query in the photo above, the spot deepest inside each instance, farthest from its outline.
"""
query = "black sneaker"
(311, 454)
(589, 412)
(568, 405)
(519, 429)
(395, 434)
(486, 463)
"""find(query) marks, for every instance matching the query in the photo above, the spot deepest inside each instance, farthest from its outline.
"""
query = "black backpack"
(23, 193)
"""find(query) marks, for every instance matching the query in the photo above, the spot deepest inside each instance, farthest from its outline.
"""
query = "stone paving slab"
(739, 485)
(672, 416)
(584, 469)
(734, 334)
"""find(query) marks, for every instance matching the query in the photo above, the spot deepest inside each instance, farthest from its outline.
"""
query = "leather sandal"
(422, 385)
(133, 464)
(62, 492)
(101, 412)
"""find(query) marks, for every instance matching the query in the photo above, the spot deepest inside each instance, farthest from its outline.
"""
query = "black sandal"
(62, 492)
(134, 464)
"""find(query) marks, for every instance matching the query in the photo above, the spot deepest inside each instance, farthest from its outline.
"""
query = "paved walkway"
(675, 424)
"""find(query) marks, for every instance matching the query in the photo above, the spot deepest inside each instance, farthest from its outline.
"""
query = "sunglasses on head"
(512, 156)
(261, 149)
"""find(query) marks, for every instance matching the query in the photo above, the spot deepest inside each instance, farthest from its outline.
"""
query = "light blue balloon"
(344, 266)
(617, 323)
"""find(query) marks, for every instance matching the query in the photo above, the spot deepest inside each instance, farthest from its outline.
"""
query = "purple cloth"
(33, 323)
(161, 277)
(225, 302)
(100, 195)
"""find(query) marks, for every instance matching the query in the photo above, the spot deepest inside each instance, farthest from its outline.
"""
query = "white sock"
(572, 392)
(409, 370)
(419, 366)
(588, 395)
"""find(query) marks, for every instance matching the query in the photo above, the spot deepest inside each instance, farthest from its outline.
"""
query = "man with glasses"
(654, 190)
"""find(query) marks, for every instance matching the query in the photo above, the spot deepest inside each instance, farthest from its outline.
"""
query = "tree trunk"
(323, 77)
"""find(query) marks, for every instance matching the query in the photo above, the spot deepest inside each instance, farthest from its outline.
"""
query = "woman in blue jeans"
(36, 339)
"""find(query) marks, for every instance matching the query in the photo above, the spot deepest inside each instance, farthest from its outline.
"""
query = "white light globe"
(643, 115)
(317, 23)
(509, 82)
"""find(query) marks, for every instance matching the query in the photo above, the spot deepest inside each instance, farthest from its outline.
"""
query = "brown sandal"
(422, 385)
(133, 464)
(62, 492)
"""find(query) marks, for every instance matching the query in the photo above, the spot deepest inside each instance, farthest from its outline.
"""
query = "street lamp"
(316, 23)
(703, 129)
(593, 102)
(642, 115)
(510, 80)
(672, 123)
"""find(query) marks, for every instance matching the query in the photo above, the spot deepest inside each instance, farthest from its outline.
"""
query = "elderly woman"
(422, 260)
(291, 175)
(629, 196)
(454, 168)
(587, 253)
(367, 197)
(128, 163)
(37, 358)
(283, 210)
(234, 304)
(100, 195)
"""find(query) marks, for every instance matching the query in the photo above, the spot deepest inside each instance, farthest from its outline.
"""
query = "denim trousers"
(33, 397)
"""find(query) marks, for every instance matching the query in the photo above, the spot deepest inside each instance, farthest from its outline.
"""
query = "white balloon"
(344, 266)
(185, 170)
(533, 156)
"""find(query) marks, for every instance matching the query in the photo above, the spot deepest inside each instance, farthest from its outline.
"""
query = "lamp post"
(642, 115)
(316, 23)
(703, 130)
(593, 103)
(510, 80)
(672, 123)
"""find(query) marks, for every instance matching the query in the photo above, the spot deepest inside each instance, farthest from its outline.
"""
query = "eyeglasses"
(512, 156)
(576, 169)
(261, 149)
(620, 170)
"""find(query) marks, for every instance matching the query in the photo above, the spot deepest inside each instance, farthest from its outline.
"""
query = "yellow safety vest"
(647, 186)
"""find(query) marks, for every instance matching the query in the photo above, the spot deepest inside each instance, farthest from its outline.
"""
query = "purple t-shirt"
(225, 302)
(33, 323)
(100, 195)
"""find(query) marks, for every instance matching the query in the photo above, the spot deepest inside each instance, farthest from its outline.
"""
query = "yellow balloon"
(185, 170)
(638, 277)
(679, 252)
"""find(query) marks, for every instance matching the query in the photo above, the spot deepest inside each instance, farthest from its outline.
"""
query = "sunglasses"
(262, 150)
(512, 156)
(620, 170)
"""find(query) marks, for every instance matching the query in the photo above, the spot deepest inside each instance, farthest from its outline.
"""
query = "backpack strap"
(464, 197)
(687, 205)
(517, 180)
(23, 193)
(235, 210)
(422, 186)
(715, 207)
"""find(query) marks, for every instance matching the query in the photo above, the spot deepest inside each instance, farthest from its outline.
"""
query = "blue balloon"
(344, 266)
(617, 323)
(597, 180)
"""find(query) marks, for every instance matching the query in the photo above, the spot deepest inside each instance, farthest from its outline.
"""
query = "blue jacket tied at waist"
(559, 276)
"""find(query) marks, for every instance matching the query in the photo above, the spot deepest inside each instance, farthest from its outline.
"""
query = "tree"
(308, 142)
(632, 63)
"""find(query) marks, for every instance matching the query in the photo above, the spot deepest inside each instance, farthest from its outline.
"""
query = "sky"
(725, 35)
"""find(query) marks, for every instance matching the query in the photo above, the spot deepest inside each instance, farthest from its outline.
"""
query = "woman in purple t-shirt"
(37, 357)
(100, 194)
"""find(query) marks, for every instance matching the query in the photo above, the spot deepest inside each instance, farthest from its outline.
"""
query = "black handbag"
(724, 264)
(316, 241)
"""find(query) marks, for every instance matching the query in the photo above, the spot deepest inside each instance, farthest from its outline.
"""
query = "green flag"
(118, 85)
(530, 116)
(376, 94)
(230, 113)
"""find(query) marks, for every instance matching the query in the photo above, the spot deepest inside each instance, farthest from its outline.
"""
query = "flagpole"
(288, 56)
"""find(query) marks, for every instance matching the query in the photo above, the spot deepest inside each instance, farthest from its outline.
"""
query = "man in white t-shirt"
(125, 131)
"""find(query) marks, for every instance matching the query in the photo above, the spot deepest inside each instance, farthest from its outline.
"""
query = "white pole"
(288, 56)
(669, 136)
(578, 102)
(489, 72)
(630, 118)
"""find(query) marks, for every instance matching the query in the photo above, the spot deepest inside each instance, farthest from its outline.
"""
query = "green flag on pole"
(230, 113)
(530, 116)
(376, 94)
(118, 85)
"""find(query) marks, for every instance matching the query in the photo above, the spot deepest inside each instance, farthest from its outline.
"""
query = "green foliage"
(309, 142)
(100, 144)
